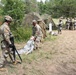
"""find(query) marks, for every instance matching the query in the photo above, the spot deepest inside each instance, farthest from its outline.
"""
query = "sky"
(40, 0)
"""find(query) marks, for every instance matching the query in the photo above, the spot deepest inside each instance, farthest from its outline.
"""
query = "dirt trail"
(63, 60)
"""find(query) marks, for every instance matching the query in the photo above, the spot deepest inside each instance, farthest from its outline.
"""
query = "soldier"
(67, 23)
(74, 23)
(71, 24)
(6, 34)
(37, 33)
(60, 26)
(42, 25)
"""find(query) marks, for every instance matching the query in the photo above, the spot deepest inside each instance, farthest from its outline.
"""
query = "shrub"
(22, 33)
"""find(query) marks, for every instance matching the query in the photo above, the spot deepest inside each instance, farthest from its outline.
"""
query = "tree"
(31, 6)
(42, 7)
(68, 8)
(58, 8)
(14, 8)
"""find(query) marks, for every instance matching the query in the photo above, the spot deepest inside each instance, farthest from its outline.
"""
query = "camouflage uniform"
(67, 24)
(42, 25)
(60, 26)
(37, 32)
(75, 24)
(5, 32)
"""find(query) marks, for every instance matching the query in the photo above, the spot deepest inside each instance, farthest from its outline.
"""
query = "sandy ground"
(63, 60)
(58, 58)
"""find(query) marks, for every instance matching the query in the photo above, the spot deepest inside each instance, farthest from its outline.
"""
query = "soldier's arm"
(7, 35)
(37, 31)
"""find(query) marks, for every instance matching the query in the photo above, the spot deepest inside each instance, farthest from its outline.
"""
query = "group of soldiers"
(71, 24)
(7, 44)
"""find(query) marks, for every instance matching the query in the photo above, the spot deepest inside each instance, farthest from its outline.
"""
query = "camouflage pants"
(38, 41)
(2, 61)
(3, 54)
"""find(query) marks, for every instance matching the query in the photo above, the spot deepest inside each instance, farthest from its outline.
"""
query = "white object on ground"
(54, 33)
(28, 48)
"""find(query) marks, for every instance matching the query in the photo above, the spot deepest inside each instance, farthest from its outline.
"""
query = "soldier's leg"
(3, 57)
(2, 63)
(14, 56)
(5, 54)
(38, 42)
(36, 45)
(58, 30)
(2, 60)
(74, 27)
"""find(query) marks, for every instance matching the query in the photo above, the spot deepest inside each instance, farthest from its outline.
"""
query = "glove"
(10, 45)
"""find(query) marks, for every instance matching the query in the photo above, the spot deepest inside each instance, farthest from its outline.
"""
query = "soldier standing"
(42, 25)
(75, 24)
(6, 34)
(60, 26)
(67, 23)
(71, 24)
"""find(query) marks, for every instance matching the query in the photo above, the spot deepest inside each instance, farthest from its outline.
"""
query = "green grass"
(22, 34)
(50, 38)
(29, 69)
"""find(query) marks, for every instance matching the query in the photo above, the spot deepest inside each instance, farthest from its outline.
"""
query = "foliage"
(69, 8)
(57, 8)
(22, 33)
(14, 8)
(31, 6)
(17, 8)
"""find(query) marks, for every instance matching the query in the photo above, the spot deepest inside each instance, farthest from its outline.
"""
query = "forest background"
(18, 8)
